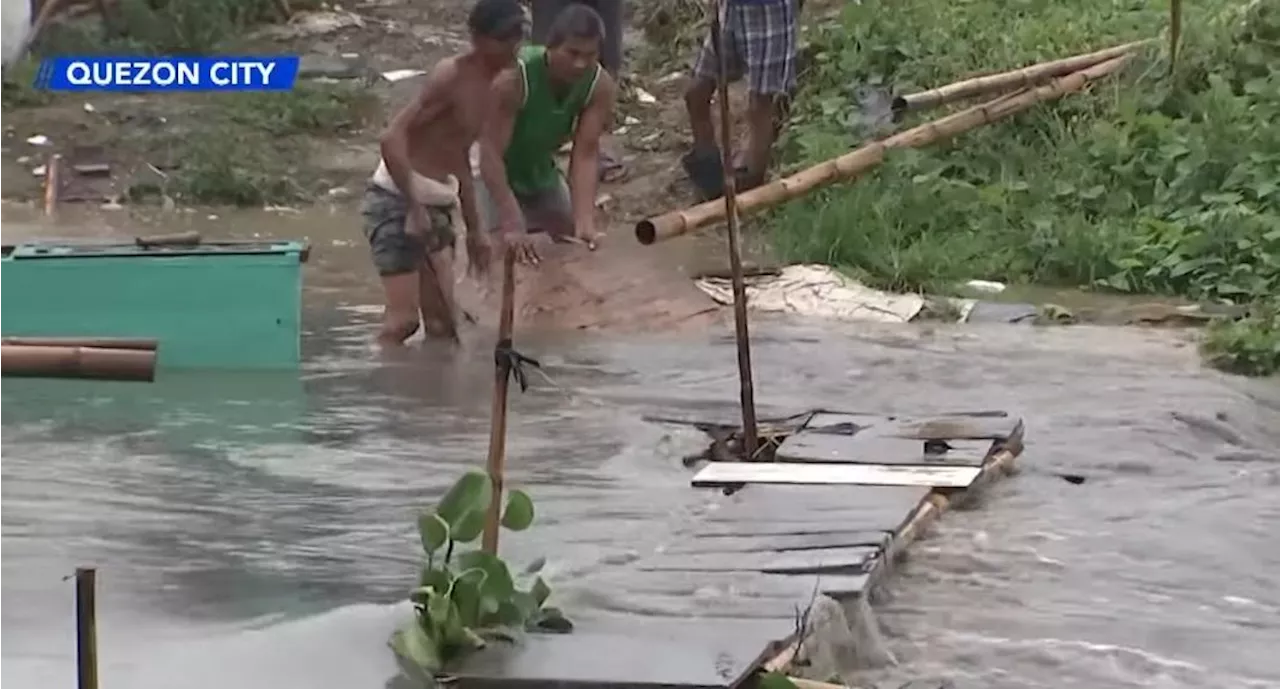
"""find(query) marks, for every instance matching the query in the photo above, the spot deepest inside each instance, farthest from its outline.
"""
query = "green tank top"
(543, 123)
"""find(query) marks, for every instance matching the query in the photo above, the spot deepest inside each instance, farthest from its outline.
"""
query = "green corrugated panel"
(215, 305)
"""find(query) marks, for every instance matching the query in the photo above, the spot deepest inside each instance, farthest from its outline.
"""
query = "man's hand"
(587, 236)
(479, 255)
(416, 221)
(525, 246)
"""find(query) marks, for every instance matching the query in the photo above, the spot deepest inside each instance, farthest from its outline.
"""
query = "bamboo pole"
(77, 362)
(1006, 81)
(854, 163)
(86, 628)
(189, 238)
(746, 386)
(94, 342)
(502, 364)
(52, 183)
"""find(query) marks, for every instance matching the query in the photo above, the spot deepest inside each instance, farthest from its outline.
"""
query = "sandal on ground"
(612, 169)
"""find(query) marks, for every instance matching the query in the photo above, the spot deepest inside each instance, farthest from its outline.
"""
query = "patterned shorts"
(761, 37)
(394, 251)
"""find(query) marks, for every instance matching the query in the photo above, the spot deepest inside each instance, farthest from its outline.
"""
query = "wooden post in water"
(743, 336)
(86, 628)
(502, 362)
(52, 183)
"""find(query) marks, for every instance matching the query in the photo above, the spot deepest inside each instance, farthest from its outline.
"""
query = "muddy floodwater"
(255, 531)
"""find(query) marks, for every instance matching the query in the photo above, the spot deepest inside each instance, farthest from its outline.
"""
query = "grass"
(244, 149)
(1158, 181)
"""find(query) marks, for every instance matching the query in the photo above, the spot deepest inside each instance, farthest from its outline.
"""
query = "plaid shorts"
(761, 38)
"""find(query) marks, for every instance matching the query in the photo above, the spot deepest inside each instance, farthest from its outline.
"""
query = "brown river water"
(256, 530)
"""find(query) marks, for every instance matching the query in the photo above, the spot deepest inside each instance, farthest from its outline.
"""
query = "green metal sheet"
(232, 305)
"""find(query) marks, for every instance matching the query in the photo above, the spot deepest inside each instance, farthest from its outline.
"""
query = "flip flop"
(612, 169)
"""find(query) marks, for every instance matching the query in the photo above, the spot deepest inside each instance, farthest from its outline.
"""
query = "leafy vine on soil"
(1162, 181)
(467, 598)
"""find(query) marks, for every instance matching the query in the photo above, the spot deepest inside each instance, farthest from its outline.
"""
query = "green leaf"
(519, 512)
(498, 583)
(415, 651)
(774, 680)
(540, 591)
(527, 603)
(466, 597)
(471, 493)
(433, 531)
(438, 605)
(509, 614)
(469, 527)
(437, 579)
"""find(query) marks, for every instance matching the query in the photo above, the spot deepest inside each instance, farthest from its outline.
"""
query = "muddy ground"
(348, 48)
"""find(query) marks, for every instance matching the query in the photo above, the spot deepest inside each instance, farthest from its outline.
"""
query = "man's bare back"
(424, 179)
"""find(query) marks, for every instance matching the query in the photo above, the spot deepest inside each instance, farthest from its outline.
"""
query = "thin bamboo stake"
(502, 364)
(1006, 81)
(52, 183)
(29, 361)
(746, 391)
(854, 163)
(86, 628)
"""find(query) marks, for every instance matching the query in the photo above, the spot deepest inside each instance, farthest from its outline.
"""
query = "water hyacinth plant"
(465, 597)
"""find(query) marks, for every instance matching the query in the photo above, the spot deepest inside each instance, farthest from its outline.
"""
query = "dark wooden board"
(716, 530)
(778, 542)
(859, 439)
(716, 585)
(826, 560)
(852, 508)
(634, 653)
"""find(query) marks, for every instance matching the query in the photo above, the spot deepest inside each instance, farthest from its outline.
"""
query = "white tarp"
(821, 291)
(17, 22)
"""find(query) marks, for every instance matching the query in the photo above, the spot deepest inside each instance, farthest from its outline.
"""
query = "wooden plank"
(839, 508)
(636, 652)
(959, 427)
(821, 561)
(719, 474)
(713, 531)
(868, 446)
(779, 542)
(733, 584)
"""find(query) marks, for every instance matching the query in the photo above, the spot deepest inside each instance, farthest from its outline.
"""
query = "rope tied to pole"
(510, 363)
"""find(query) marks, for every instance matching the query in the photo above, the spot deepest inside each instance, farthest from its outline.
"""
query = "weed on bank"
(1155, 181)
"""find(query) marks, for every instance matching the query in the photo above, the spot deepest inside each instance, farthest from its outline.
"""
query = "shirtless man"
(551, 94)
(411, 202)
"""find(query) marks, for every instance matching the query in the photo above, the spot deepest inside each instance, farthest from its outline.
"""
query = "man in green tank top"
(552, 94)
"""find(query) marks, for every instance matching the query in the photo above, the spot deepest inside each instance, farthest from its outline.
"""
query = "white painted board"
(728, 473)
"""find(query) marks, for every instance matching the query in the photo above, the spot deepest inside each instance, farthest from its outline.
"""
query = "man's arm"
(584, 173)
(467, 194)
(508, 94)
(432, 100)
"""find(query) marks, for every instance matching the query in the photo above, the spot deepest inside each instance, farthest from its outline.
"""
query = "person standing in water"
(411, 202)
(552, 93)
(612, 169)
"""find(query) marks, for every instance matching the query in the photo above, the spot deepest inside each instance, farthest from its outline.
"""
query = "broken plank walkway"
(846, 493)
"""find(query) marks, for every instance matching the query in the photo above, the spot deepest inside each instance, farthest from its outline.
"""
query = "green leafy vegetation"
(467, 598)
(1162, 181)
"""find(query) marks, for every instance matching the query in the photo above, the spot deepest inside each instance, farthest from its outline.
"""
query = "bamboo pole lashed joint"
(858, 161)
(1023, 77)
(65, 361)
(746, 389)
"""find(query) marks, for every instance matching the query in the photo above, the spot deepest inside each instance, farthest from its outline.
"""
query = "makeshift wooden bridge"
(843, 494)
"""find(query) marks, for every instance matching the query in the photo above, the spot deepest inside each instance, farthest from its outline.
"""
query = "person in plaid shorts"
(761, 38)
